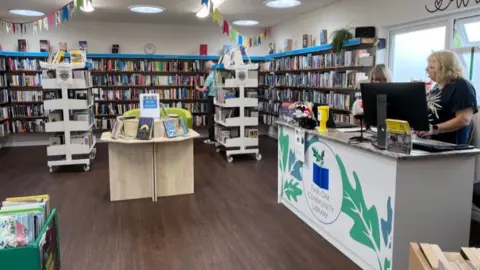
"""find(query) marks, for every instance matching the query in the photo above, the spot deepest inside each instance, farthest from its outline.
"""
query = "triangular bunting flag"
(239, 41)
(217, 17)
(40, 25)
(233, 34)
(226, 28)
(35, 27)
(45, 23)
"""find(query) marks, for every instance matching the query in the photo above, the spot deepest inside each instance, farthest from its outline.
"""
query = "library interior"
(253, 134)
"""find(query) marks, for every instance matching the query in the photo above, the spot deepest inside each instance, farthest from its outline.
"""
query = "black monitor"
(405, 101)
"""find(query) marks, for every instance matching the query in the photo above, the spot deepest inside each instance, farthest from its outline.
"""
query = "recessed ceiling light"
(282, 3)
(26, 12)
(146, 9)
(245, 22)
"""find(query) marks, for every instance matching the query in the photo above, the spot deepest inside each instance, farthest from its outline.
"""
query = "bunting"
(44, 23)
(234, 35)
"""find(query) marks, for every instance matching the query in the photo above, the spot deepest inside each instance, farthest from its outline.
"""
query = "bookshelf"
(25, 107)
(118, 82)
(317, 75)
(4, 99)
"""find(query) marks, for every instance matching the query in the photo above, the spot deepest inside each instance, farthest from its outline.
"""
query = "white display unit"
(241, 81)
(66, 81)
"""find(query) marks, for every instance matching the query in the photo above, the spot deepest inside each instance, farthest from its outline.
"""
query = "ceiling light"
(87, 6)
(245, 22)
(146, 9)
(26, 12)
(204, 10)
(282, 3)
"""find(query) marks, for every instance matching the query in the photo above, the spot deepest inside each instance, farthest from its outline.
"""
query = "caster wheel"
(218, 150)
(230, 159)
(258, 156)
(92, 156)
(50, 169)
(86, 168)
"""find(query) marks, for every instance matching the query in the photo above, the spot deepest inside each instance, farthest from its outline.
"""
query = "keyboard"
(437, 146)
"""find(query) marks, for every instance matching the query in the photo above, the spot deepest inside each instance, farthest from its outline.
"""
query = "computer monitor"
(405, 101)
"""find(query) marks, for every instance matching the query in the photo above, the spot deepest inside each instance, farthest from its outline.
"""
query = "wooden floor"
(231, 222)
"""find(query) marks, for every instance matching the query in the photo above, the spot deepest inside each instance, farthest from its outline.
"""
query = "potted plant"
(339, 36)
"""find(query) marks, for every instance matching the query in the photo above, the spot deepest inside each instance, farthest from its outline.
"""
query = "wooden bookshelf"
(15, 118)
(16, 72)
(161, 100)
(25, 88)
(190, 73)
(143, 86)
(4, 119)
(318, 64)
(25, 102)
(339, 68)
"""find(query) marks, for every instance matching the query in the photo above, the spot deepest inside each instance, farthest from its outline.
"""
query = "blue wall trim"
(315, 49)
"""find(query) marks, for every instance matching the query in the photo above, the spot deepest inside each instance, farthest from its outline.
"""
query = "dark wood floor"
(231, 222)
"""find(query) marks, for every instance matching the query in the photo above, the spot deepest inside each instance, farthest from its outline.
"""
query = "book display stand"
(236, 117)
(75, 83)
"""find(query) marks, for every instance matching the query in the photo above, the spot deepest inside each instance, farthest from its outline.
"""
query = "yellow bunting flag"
(217, 17)
(40, 25)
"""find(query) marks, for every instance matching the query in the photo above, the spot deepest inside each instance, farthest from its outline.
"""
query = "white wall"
(380, 13)
(131, 37)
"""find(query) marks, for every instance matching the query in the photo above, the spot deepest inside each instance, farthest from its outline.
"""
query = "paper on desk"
(355, 129)
(300, 144)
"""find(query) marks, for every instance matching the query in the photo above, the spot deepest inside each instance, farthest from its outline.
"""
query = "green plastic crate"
(30, 257)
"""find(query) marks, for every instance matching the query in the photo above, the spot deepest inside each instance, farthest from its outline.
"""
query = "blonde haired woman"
(452, 102)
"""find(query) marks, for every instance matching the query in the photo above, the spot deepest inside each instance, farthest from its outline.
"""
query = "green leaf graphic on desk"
(283, 141)
(295, 166)
(292, 190)
(366, 228)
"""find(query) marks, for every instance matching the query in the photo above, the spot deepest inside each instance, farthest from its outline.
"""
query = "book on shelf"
(115, 48)
(62, 46)
(59, 57)
(4, 128)
(27, 110)
(26, 80)
(25, 96)
(323, 37)
(203, 49)
(3, 113)
(145, 128)
(28, 126)
(44, 45)
(17, 64)
(3, 96)
(22, 45)
(83, 45)
(288, 45)
(77, 57)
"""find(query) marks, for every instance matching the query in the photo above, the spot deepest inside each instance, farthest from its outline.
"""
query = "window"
(411, 50)
(466, 33)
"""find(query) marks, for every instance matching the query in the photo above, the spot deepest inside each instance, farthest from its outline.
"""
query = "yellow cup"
(323, 113)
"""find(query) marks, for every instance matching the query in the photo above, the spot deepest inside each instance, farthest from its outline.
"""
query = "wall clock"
(150, 48)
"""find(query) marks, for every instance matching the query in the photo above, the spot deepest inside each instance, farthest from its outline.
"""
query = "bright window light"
(245, 22)
(146, 9)
(87, 6)
(26, 12)
(473, 32)
(282, 3)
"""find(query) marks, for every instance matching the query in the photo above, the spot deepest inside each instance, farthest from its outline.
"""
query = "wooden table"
(150, 168)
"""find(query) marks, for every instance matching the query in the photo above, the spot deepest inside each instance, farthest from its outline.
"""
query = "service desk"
(370, 204)
(150, 168)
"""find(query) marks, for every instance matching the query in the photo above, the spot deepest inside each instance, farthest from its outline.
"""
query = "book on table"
(145, 128)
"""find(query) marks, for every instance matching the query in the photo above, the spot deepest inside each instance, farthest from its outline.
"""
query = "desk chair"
(475, 140)
(185, 114)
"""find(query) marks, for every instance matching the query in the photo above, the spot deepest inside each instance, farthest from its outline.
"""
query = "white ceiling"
(181, 12)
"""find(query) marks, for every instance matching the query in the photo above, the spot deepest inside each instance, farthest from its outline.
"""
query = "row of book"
(3, 95)
(269, 119)
(147, 80)
(222, 134)
(19, 64)
(4, 128)
(23, 126)
(310, 61)
(342, 118)
(194, 108)
(3, 64)
(105, 123)
(3, 80)
(147, 65)
(3, 113)
(347, 79)
(27, 110)
(113, 108)
(269, 107)
(26, 80)
(133, 94)
(22, 96)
